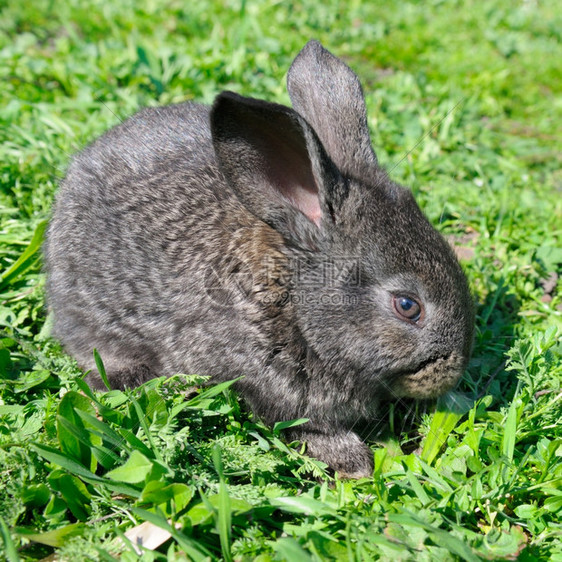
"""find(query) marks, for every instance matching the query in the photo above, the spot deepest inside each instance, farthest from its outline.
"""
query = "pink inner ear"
(290, 172)
(284, 163)
(305, 201)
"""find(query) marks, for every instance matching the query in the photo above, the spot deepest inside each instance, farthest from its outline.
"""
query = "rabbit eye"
(407, 308)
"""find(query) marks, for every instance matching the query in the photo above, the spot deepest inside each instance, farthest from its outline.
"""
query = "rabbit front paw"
(342, 450)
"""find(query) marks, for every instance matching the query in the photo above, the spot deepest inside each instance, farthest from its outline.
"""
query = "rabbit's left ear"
(328, 94)
(276, 165)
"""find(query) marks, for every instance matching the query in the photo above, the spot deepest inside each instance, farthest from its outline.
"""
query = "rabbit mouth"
(431, 378)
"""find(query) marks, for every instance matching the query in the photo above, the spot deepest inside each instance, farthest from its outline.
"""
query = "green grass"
(465, 107)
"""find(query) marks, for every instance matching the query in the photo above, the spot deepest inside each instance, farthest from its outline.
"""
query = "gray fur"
(255, 240)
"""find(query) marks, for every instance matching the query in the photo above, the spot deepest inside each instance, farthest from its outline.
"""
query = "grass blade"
(56, 537)
(55, 457)
(279, 426)
(195, 551)
(10, 550)
(101, 369)
(103, 430)
(441, 537)
(224, 519)
(142, 420)
(27, 258)
(508, 439)
(450, 409)
(211, 392)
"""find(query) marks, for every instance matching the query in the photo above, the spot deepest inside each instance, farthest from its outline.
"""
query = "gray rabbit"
(251, 239)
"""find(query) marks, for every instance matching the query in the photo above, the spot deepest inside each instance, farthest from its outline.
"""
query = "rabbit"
(253, 240)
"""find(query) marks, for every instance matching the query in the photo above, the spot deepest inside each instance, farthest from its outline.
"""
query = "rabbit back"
(144, 234)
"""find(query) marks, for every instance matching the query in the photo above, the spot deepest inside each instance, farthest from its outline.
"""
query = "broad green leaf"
(435, 478)
(200, 513)
(113, 399)
(262, 443)
(526, 511)
(66, 429)
(136, 443)
(157, 493)
(155, 409)
(205, 510)
(237, 505)
(417, 487)
(58, 459)
(450, 409)
(30, 379)
(106, 457)
(290, 549)
(301, 504)
(6, 364)
(35, 495)
(11, 409)
(56, 510)
(103, 430)
(551, 256)
(439, 536)
(135, 470)
(76, 442)
(74, 493)
(554, 504)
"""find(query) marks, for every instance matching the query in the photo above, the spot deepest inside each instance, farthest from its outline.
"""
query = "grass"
(465, 107)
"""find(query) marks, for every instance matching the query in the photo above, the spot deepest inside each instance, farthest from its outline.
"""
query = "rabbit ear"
(276, 165)
(328, 94)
